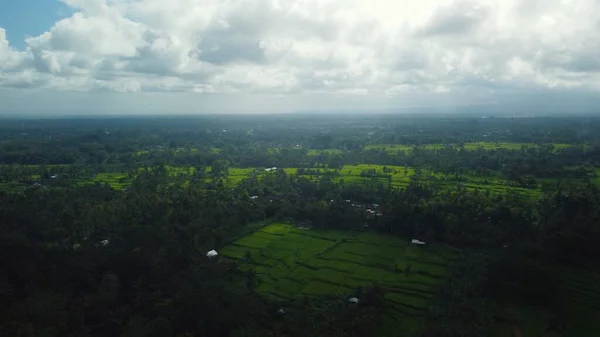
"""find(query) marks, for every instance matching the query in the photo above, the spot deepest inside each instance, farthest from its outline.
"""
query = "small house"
(418, 242)
(104, 243)
(212, 254)
(354, 300)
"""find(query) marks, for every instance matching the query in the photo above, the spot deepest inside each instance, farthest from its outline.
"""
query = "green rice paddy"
(401, 177)
(395, 176)
(390, 148)
(314, 152)
(596, 180)
(115, 180)
(293, 262)
(395, 148)
(579, 312)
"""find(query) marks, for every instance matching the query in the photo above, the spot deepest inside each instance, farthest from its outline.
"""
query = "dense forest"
(366, 225)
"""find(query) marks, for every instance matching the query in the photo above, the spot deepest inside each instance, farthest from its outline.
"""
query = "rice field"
(390, 148)
(596, 180)
(315, 152)
(401, 177)
(116, 180)
(581, 292)
(395, 148)
(293, 262)
(236, 175)
(579, 312)
(509, 146)
(394, 176)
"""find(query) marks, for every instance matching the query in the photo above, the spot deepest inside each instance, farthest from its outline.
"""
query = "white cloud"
(392, 50)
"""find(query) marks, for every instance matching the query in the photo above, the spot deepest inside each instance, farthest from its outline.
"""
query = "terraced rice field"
(395, 148)
(352, 174)
(401, 176)
(508, 146)
(11, 186)
(292, 262)
(581, 290)
(116, 180)
(236, 175)
(596, 180)
(349, 174)
(579, 312)
(314, 152)
(390, 148)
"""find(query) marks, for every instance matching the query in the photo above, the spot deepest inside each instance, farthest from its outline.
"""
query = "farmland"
(362, 174)
(292, 262)
(117, 181)
(580, 298)
(395, 148)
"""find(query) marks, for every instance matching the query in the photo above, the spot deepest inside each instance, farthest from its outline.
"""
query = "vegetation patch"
(292, 263)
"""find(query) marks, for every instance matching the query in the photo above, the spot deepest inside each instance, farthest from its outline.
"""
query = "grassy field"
(390, 148)
(117, 180)
(582, 295)
(292, 262)
(401, 176)
(395, 148)
(578, 313)
(596, 180)
(314, 152)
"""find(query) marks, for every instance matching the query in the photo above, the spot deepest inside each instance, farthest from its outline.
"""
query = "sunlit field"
(292, 262)
(395, 148)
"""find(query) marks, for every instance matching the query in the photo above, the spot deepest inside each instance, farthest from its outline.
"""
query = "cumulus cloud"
(378, 48)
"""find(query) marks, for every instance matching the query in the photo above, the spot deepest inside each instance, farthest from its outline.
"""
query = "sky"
(280, 56)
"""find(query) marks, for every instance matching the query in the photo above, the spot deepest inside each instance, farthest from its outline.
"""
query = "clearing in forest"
(291, 262)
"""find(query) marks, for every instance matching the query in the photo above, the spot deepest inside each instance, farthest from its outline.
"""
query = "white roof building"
(212, 253)
(354, 300)
(418, 242)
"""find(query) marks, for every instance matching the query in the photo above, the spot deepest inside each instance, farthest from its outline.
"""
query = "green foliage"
(460, 307)
(163, 192)
(324, 263)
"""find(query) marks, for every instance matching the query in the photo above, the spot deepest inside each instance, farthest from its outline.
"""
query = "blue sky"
(21, 18)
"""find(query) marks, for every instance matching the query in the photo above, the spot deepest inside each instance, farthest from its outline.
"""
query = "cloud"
(458, 18)
(389, 50)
